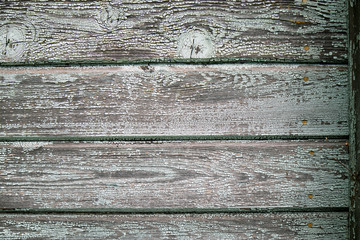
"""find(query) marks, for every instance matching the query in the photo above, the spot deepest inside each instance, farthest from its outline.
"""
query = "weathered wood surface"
(220, 174)
(104, 30)
(188, 226)
(246, 99)
(354, 79)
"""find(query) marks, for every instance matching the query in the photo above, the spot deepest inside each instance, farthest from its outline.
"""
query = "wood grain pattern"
(106, 30)
(204, 226)
(246, 99)
(229, 174)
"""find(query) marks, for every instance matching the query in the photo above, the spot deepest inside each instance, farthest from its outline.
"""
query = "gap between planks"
(179, 61)
(171, 210)
(169, 138)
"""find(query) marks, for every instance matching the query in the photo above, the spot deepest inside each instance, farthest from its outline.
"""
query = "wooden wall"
(174, 119)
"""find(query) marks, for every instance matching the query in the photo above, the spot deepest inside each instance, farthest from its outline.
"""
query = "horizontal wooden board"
(189, 226)
(210, 174)
(246, 99)
(104, 30)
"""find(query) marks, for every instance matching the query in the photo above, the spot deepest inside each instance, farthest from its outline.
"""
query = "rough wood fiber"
(246, 99)
(354, 79)
(204, 226)
(79, 30)
(230, 174)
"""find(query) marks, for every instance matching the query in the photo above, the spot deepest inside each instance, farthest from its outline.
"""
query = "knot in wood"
(196, 44)
(111, 17)
(12, 42)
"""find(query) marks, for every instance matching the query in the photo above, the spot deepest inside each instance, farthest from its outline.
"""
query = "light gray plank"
(230, 174)
(246, 99)
(104, 30)
(188, 226)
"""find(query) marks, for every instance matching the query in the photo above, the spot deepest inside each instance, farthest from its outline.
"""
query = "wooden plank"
(246, 99)
(187, 226)
(354, 79)
(219, 174)
(107, 30)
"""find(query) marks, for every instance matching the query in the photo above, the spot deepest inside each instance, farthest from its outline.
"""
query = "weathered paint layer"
(74, 30)
(184, 226)
(229, 174)
(175, 100)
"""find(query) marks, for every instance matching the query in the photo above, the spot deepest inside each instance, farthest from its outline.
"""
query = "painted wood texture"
(220, 174)
(354, 79)
(189, 226)
(246, 99)
(107, 30)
